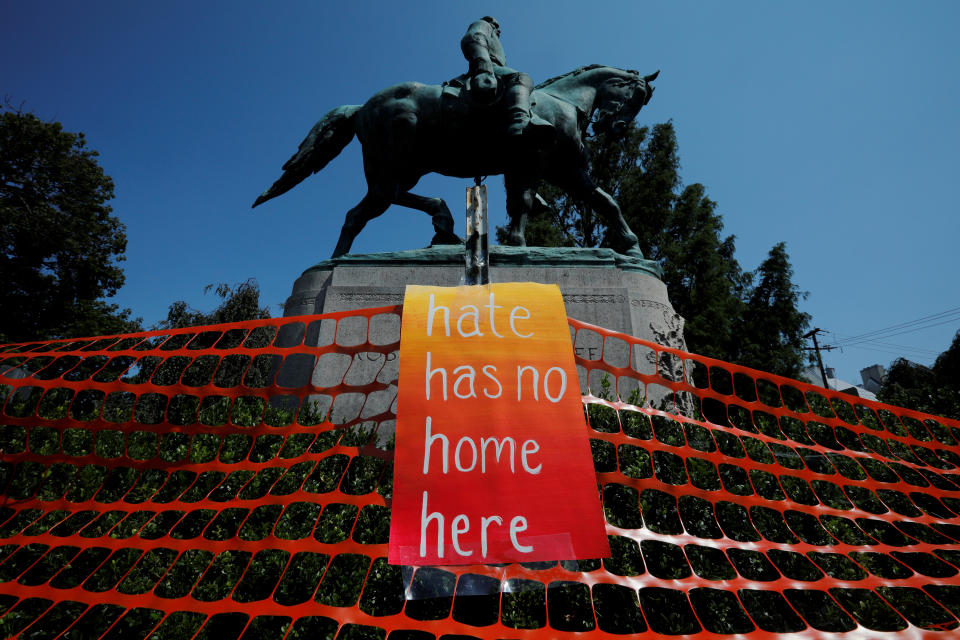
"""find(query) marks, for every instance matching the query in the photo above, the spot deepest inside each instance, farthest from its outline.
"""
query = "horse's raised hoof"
(634, 252)
(445, 237)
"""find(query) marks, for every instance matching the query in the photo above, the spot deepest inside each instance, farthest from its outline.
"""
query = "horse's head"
(620, 98)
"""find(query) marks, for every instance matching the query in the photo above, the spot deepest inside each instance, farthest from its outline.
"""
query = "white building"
(872, 377)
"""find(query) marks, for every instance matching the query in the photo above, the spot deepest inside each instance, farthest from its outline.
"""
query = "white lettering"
(431, 373)
(429, 443)
(484, 523)
(546, 384)
(492, 377)
(424, 521)
(529, 447)
(475, 314)
(498, 448)
(469, 375)
(431, 310)
(492, 307)
(516, 316)
(517, 525)
(455, 532)
(536, 380)
(456, 454)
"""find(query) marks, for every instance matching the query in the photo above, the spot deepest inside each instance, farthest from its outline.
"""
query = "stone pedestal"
(599, 286)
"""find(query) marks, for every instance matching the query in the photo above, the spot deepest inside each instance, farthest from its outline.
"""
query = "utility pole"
(816, 347)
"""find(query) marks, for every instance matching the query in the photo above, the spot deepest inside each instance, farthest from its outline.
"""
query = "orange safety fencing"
(234, 481)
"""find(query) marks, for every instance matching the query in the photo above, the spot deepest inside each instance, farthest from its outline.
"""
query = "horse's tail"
(325, 141)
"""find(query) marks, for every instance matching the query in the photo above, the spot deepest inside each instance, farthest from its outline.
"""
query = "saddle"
(457, 104)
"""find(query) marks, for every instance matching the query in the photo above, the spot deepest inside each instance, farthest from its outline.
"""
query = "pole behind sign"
(477, 269)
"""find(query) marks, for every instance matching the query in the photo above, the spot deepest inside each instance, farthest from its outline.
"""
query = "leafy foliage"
(931, 390)
(727, 316)
(59, 245)
(772, 326)
(241, 302)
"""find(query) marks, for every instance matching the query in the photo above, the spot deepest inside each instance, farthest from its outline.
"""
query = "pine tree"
(703, 277)
(650, 188)
(679, 227)
(770, 334)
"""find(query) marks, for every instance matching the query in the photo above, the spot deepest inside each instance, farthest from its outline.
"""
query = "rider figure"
(482, 49)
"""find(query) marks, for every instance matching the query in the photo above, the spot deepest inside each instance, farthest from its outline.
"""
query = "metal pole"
(816, 347)
(477, 252)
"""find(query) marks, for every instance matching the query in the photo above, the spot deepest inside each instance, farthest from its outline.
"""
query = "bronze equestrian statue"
(486, 122)
(488, 70)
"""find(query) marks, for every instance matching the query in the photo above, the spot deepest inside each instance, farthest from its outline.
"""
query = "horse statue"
(411, 129)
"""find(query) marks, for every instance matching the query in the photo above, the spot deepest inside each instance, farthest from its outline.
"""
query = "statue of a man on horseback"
(488, 69)
(411, 129)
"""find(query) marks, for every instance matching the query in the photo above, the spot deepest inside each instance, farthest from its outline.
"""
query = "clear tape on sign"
(423, 583)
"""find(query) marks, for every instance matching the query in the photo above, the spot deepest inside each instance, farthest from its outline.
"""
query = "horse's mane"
(575, 72)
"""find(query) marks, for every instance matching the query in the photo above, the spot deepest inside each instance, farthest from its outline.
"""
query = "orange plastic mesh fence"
(234, 481)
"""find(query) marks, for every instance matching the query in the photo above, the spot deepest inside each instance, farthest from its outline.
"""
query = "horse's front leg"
(521, 197)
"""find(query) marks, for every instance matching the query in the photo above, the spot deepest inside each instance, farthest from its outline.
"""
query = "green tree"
(60, 248)
(947, 365)
(548, 229)
(933, 389)
(680, 228)
(241, 302)
(677, 226)
(649, 191)
(770, 332)
(705, 281)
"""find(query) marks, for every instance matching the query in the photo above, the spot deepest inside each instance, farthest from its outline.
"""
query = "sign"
(492, 460)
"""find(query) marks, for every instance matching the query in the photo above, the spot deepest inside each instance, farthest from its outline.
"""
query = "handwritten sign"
(492, 460)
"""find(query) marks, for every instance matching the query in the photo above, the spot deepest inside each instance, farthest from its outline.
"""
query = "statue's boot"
(542, 129)
(519, 114)
(526, 133)
(524, 124)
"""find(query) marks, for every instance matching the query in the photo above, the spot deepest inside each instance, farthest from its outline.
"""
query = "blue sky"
(830, 125)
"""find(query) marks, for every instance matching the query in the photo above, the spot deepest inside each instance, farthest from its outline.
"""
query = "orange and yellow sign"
(492, 459)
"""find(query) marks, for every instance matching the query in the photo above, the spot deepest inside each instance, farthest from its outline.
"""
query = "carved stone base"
(598, 285)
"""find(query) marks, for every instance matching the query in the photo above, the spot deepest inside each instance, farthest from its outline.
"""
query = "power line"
(852, 341)
(888, 351)
(910, 325)
(934, 316)
(901, 347)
